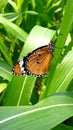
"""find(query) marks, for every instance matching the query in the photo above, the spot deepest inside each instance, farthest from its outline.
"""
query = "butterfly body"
(36, 63)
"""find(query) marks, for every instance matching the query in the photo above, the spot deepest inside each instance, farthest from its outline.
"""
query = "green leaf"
(13, 4)
(47, 114)
(3, 86)
(10, 16)
(21, 87)
(62, 75)
(14, 29)
(5, 52)
(5, 71)
(65, 27)
(2, 4)
(39, 36)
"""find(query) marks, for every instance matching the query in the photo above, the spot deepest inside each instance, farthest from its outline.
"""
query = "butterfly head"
(51, 47)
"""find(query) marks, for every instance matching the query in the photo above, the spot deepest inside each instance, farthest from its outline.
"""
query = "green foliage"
(24, 26)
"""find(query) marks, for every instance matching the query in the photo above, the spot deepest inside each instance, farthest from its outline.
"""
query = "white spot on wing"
(22, 68)
(21, 62)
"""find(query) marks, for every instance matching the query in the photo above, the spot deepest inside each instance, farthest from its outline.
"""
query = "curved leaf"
(45, 115)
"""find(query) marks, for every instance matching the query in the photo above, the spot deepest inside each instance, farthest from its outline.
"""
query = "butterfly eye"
(36, 63)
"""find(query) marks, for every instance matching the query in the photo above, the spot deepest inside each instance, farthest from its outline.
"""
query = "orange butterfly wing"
(39, 61)
(17, 69)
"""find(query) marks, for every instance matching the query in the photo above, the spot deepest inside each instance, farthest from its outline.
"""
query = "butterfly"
(36, 63)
